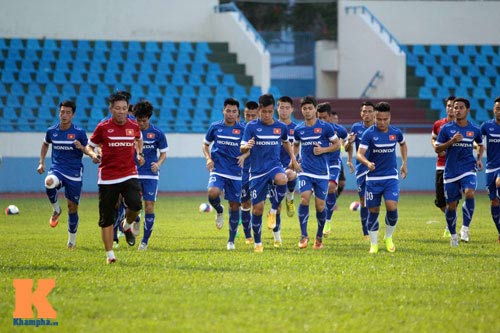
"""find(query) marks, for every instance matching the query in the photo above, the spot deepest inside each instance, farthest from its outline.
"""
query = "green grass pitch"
(188, 282)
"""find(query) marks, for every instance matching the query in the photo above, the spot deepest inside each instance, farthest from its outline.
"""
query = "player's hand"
(210, 164)
(78, 145)
(295, 166)
(351, 137)
(41, 168)
(404, 171)
(441, 154)
(241, 159)
(140, 160)
(370, 166)
(457, 137)
(479, 165)
(250, 143)
(96, 158)
(351, 167)
(155, 167)
(317, 150)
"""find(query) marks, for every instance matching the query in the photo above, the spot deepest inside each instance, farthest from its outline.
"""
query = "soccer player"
(491, 130)
(154, 142)
(317, 140)
(377, 151)
(440, 200)
(66, 170)
(324, 111)
(367, 120)
(334, 119)
(457, 139)
(120, 140)
(250, 113)
(263, 138)
(223, 163)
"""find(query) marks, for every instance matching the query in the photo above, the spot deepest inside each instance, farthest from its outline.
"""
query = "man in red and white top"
(440, 200)
(120, 140)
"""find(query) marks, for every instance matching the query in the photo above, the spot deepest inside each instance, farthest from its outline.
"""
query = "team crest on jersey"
(276, 130)
(259, 129)
(71, 136)
(392, 137)
(129, 132)
(292, 131)
(318, 130)
(469, 134)
(150, 136)
(236, 131)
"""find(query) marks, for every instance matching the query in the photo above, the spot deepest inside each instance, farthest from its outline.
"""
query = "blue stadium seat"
(436, 50)
(66, 55)
(456, 71)
(438, 71)
(68, 90)
(164, 68)
(83, 45)
(490, 71)
(3, 90)
(12, 101)
(30, 54)
(483, 82)
(496, 61)
(48, 102)
(419, 50)
(62, 66)
(168, 47)
(171, 90)
(228, 80)
(48, 55)
(27, 65)
(17, 89)
(136, 90)
(470, 50)
(30, 101)
(33, 44)
(166, 57)
(16, 43)
(203, 103)
(480, 60)
(133, 56)
(205, 91)
(168, 102)
(446, 60)
(441, 93)
(113, 67)
(100, 55)
(431, 82)
(201, 58)
(67, 44)
(26, 114)
(117, 45)
(464, 60)
(154, 91)
(109, 78)
(449, 82)
(9, 113)
(116, 55)
(51, 89)
(411, 59)
(33, 89)
(487, 50)
(151, 57)
(41, 77)
(473, 71)
(481, 115)
(178, 79)
(94, 78)
(8, 76)
(198, 68)
(160, 79)
(466, 81)
(461, 91)
(134, 46)
(152, 47)
(184, 57)
(26, 76)
(146, 67)
(452, 50)
(60, 78)
(97, 67)
(479, 93)
(11, 65)
(14, 54)
(213, 79)
(101, 45)
(130, 67)
(222, 91)
(165, 114)
(186, 47)
(188, 91)
(202, 47)
(45, 114)
(429, 60)
(194, 79)
(3, 45)
(50, 44)
(85, 89)
(240, 93)
(144, 79)
(214, 68)
(96, 113)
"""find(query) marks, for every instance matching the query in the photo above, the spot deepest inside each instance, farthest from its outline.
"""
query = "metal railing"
(371, 84)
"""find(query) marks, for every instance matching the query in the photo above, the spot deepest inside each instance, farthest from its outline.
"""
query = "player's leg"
(72, 192)
(108, 196)
(52, 184)
(215, 187)
(391, 197)
(232, 193)
(246, 206)
(290, 191)
(495, 212)
(149, 193)
(119, 216)
(468, 184)
(452, 195)
(440, 200)
(363, 211)
(131, 192)
(258, 193)
(320, 192)
(331, 198)
(279, 190)
(373, 199)
(305, 190)
(341, 185)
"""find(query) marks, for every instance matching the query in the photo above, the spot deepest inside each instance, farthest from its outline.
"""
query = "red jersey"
(118, 150)
(441, 160)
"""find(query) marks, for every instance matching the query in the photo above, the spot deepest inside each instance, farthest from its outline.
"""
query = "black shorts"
(108, 196)
(440, 200)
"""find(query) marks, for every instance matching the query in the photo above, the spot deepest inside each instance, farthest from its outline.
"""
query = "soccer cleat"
(303, 242)
(136, 228)
(249, 240)
(318, 244)
(327, 229)
(271, 220)
(373, 248)
(389, 245)
(54, 219)
(129, 235)
(277, 244)
(116, 244)
(258, 248)
(71, 246)
(446, 233)
(219, 219)
(464, 235)
(110, 260)
(454, 240)
(277, 239)
(290, 208)
(366, 237)
(230, 246)
(142, 247)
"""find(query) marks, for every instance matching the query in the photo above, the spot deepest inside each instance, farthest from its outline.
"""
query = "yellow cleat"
(389, 245)
(271, 220)
(258, 248)
(366, 237)
(327, 230)
(290, 208)
(277, 244)
(373, 248)
(249, 241)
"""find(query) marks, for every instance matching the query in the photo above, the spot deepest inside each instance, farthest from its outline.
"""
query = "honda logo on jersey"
(392, 137)
(129, 132)
(469, 134)
(150, 136)
(317, 130)
(277, 131)
(71, 136)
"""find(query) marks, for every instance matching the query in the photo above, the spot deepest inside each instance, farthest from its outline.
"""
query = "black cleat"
(129, 235)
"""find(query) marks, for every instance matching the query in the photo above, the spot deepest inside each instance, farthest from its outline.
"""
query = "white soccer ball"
(12, 210)
(354, 206)
(205, 208)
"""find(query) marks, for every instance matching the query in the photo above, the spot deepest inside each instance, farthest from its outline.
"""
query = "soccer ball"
(205, 208)
(12, 210)
(354, 206)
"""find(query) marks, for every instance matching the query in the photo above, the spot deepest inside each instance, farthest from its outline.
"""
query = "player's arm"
(241, 159)
(333, 146)
(90, 151)
(442, 147)
(348, 149)
(480, 153)
(205, 148)
(43, 153)
(246, 146)
(360, 156)
(351, 137)
(294, 165)
(404, 159)
(139, 144)
(155, 166)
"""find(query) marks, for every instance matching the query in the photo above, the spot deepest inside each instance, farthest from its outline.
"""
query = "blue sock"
(391, 218)
(245, 221)
(303, 217)
(216, 204)
(495, 214)
(234, 220)
(468, 211)
(291, 185)
(52, 194)
(363, 213)
(372, 221)
(451, 220)
(331, 200)
(278, 222)
(72, 222)
(321, 217)
(280, 194)
(149, 222)
(257, 228)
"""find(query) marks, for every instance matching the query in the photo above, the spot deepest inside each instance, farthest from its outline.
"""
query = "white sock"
(464, 228)
(55, 206)
(328, 221)
(277, 235)
(110, 254)
(389, 230)
(289, 196)
(72, 238)
(373, 237)
(273, 211)
(258, 244)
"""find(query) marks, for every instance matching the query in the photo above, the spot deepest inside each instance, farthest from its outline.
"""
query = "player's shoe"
(446, 233)
(366, 237)
(230, 246)
(277, 239)
(129, 235)
(290, 208)
(110, 260)
(373, 248)
(219, 219)
(454, 240)
(389, 245)
(136, 228)
(464, 235)
(271, 220)
(249, 240)
(258, 248)
(327, 229)
(318, 244)
(116, 244)
(71, 246)
(54, 219)
(142, 247)
(303, 242)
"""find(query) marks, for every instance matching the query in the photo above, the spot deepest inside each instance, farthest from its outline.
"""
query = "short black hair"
(69, 104)
(463, 100)
(324, 107)
(251, 105)
(367, 103)
(497, 100)
(231, 101)
(143, 109)
(286, 99)
(266, 100)
(119, 96)
(383, 107)
(308, 100)
(449, 98)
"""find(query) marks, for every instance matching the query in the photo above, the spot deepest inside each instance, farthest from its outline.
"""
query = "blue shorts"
(491, 184)
(453, 191)
(149, 188)
(335, 174)
(361, 182)
(375, 189)
(319, 186)
(231, 187)
(72, 188)
(259, 186)
(245, 186)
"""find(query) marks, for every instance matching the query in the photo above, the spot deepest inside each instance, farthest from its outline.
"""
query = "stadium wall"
(184, 170)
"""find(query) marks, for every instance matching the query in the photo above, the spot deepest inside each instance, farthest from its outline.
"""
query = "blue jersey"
(491, 130)
(66, 158)
(154, 140)
(265, 154)
(460, 161)
(358, 129)
(341, 133)
(284, 157)
(225, 149)
(381, 150)
(321, 133)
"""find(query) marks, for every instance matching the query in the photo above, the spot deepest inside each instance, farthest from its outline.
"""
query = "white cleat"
(136, 228)
(142, 247)
(454, 240)
(464, 235)
(230, 246)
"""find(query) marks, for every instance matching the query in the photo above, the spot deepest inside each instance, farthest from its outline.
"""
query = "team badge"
(469, 134)
(392, 137)
(236, 131)
(150, 135)
(129, 132)
(276, 130)
(318, 130)
(292, 131)
(71, 136)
